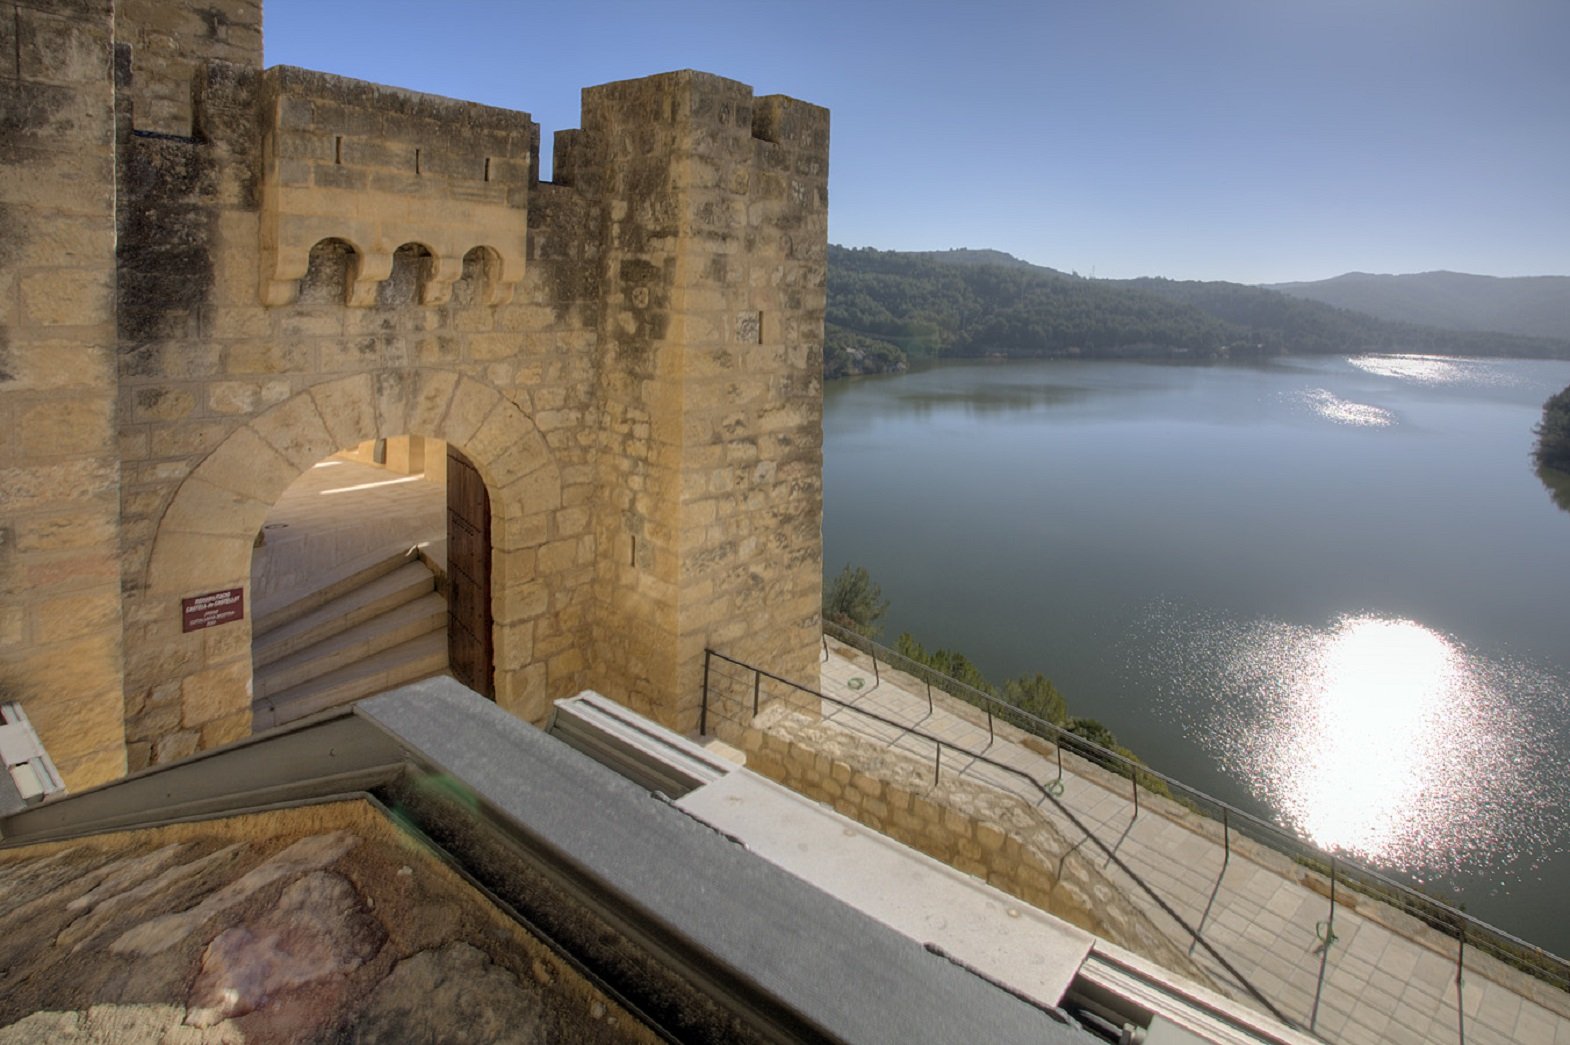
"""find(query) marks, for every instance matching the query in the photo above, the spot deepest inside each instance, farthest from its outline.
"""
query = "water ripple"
(1377, 736)
(1435, 370)
(1332, 407)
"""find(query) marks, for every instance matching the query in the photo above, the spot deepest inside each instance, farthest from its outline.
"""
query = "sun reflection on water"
(1433, 370)
(1371, 699)
(1379, 737)
(1332, 407)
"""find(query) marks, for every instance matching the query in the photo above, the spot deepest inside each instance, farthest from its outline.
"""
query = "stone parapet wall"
(992, 835)
(380, 168)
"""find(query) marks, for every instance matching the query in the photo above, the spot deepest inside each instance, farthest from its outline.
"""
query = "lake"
(1331, 590)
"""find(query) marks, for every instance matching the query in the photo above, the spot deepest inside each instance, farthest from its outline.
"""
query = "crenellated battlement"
(380, 168)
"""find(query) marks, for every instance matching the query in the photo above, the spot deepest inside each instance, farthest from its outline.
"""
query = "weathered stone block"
(174, 746)
(348, 409)
(296, 430)
(245, 397)
(59, 426)
(215, 693)
(66, 297)
(72, 616)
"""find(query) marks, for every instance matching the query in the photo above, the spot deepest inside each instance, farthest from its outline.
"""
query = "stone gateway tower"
(214, 275)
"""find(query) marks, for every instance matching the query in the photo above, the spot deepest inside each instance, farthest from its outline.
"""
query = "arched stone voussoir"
(187, 563)
(249, 465)
(539, 491)
(471, 404)
(296, 430)
(348, 408)
(391, 390)
(201, 506)
(507, 446)
(430, 392)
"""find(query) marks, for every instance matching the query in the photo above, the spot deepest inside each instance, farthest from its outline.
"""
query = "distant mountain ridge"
(887, 308)
(1532, 306)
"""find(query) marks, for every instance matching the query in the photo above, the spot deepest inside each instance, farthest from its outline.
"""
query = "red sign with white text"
(212, 609)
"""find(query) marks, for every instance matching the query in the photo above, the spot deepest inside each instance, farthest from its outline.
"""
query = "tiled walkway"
(1377, 982)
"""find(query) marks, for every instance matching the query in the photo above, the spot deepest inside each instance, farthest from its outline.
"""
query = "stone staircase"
(369, 628)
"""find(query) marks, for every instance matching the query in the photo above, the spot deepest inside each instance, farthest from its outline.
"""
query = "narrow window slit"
(338, 149)
(417, 161)
(487, 168)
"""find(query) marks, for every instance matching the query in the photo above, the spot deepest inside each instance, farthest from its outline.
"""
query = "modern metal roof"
(704, 938)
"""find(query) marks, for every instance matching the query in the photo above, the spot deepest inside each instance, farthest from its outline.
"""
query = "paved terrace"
(1386, 977)
(339, 515)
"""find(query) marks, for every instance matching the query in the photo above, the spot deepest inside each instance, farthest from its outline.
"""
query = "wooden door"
(469, 642)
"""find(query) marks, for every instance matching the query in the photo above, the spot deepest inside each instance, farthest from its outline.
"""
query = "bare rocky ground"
(316, 924)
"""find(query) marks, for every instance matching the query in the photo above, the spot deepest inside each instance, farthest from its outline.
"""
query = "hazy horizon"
(1142, 275)
(1203, 139)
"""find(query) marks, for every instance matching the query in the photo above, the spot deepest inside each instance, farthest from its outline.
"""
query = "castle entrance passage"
(372, 570)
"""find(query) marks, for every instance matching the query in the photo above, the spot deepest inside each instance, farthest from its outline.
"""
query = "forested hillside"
(888, 308)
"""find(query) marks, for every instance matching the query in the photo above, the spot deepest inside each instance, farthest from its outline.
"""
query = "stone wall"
(169, 41)
(295, 263)
(60, 640)
(711, 380)
(990, 834)
(385, 320)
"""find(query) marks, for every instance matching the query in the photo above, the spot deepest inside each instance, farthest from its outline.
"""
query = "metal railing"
(711, 678)
(1468, 932)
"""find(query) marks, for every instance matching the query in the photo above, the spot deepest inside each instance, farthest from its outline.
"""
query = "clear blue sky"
(1250, 140)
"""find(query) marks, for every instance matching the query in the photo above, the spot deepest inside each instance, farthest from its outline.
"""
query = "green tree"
(853, 601)
(944, 662)
(1093, 731)
(1036, 695)
(1553, 434)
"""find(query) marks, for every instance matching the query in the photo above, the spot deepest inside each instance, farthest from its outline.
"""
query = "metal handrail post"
(757, 682)
(1330, 929)
(1226, 838)
(937, 762)
(1460, 1006)
(1324, 952)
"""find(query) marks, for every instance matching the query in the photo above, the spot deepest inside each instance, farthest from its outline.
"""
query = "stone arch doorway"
(205, 539)
(372, 570)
